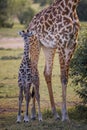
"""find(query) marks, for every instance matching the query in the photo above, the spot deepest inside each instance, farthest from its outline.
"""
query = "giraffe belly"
(48, 40)
(48, 43)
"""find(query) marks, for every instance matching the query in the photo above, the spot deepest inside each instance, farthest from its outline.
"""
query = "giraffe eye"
(25, 37)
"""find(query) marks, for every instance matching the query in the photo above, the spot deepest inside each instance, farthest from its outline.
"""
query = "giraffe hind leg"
(64, 87)
(33, 109)
(27, 98)
(64, 68)
(20, 103)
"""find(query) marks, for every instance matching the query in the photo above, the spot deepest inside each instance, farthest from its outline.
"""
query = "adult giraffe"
(55, 27)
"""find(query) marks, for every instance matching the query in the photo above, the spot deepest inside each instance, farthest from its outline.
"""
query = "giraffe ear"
(27, 30)
(21, 33)
(30, 34)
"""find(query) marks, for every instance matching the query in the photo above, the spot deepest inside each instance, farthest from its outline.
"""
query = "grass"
(8, 123)
(11, 32)
(9, 63)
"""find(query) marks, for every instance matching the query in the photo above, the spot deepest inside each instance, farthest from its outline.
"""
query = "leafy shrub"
(82, 10)
(3, 12)
(43, 2)
(26, 16)
(8, 23)
(5, 17)
(82, 110)
(79, 112)
(79, 69)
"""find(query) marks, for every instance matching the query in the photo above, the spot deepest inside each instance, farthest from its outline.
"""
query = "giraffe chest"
(24, 72)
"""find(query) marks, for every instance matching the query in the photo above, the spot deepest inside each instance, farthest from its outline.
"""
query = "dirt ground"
(12, 43)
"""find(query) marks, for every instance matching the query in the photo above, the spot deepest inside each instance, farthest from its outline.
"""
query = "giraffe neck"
(26, 54)
(63, 4)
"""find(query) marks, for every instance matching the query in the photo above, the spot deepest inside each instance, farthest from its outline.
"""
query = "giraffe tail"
(33, 92)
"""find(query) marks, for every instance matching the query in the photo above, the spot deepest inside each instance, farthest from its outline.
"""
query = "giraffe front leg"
(64, 87)
(49, 85)
(20, 103)
(49, 56)
(27, 98)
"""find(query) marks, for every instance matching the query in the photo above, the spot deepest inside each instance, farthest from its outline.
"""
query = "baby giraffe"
(25, 79)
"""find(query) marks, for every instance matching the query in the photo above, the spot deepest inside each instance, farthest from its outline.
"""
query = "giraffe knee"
(21, 93)
(64, 79)
(37, 95)
(21, 97)
(35, 80)
(47, 75)
(28, 96)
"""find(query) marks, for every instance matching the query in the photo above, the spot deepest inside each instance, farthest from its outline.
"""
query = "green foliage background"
(22, 9)
(4, 14)
(82, 10)
(79, 69)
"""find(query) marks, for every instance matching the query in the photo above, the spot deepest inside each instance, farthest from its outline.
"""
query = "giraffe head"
(25, 35)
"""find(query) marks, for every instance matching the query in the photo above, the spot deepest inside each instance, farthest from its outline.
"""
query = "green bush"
(79, 69)
(26, 16)
(82, 10)
(43, 2)
(8, 24)
(3, 12)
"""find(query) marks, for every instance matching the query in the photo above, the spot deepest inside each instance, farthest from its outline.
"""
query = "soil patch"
(12, 43)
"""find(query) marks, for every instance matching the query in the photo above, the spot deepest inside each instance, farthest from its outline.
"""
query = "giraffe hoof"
(65, 119)
(18, 119)
(58, 118)
(40, 118)
(26, 119)
(18, 122)
(33, 114)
